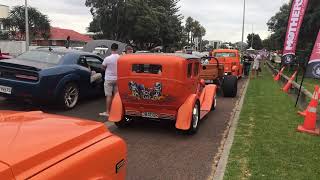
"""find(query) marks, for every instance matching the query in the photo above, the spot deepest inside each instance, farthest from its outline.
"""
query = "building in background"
(215, 44)
(58, 37)
(4, 13)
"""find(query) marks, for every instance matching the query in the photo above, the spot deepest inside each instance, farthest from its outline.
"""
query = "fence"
(305, 95)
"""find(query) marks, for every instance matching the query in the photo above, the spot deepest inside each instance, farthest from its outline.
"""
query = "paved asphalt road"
(156, 150)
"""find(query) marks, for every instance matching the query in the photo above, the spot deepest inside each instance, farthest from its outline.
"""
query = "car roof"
(64, 51)
(181, 55)
(226, 50)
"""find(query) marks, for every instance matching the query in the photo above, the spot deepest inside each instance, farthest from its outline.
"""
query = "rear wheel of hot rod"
(194, 125)
(125, 122)
(230, 86)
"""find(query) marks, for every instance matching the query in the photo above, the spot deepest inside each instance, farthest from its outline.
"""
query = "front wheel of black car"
(69, 96)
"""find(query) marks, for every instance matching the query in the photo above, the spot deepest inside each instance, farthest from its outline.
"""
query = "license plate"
(5, 89)
(150, 115)
(208, 81)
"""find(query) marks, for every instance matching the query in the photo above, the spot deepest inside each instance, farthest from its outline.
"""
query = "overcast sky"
(221, 18)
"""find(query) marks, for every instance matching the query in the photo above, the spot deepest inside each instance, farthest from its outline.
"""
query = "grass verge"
(266, 144)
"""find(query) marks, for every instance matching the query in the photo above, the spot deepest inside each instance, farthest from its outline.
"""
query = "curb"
(222, 164)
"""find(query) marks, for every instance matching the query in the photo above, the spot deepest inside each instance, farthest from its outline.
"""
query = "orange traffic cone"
(309, 125)
(277, 77)
(314, 101)
(289, 83)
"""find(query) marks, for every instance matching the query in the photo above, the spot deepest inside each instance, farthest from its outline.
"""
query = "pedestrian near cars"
(247, 60)
(256, 66)
(129, 50)
(110, 84)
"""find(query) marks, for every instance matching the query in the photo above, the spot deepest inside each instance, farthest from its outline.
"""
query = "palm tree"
(189, 24)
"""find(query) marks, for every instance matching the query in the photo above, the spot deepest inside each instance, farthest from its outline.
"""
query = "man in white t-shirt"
(110, 84)
(256, 65)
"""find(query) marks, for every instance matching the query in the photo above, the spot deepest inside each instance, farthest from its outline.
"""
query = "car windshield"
(225, 54)
(41, 57)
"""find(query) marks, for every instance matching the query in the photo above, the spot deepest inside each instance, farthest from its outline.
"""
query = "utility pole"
(27, 25)
(243, 21)
(252, 38)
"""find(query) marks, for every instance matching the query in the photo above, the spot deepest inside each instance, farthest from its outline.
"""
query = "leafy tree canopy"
(308, 32)
(39, 24)
(144, 24)
(257, 42)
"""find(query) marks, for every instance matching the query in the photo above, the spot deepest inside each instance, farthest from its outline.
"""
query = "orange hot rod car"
(162, 86)
(35, 145)
(231, 60)
(223, 67)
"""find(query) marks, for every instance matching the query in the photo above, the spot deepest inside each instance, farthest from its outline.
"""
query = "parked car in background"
(162, 87)
(46, 75)
(35, 145)
(141, 52)
(231, 60)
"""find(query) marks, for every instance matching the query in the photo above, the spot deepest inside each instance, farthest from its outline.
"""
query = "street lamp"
(27, 25)
(243, 20)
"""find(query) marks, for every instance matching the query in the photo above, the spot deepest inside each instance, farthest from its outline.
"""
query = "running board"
(203, 114)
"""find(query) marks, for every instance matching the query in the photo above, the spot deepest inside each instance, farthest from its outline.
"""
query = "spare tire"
(230, 86)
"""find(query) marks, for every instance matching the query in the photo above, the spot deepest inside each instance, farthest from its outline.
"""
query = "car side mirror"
(202, 82)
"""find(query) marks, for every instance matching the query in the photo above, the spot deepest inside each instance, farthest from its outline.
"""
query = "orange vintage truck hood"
(34, 141)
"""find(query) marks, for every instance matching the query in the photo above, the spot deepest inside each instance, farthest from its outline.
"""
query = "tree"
(143, 24)
(188, 27)
(39, 24)
(310, 27)
(278, 25)
(204, 44)
(4, 35)
(257, 42)
(194, 30)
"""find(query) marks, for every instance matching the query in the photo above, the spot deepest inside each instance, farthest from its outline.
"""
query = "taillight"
(21, 76)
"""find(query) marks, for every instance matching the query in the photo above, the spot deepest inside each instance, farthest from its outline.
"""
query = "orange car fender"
(105, 160)
(185, 113)
(208, 93)
(5, 172)
(116, 110)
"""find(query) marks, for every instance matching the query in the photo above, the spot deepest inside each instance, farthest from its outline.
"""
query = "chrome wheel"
(71, 96)
(195, 116)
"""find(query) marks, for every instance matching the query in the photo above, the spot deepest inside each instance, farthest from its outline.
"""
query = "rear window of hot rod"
(147, 68)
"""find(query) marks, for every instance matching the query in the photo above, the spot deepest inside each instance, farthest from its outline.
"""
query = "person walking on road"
(247, 60)
(256, 66)
(110, 84)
